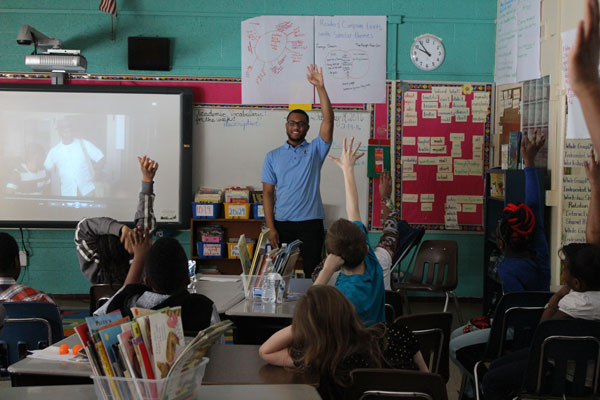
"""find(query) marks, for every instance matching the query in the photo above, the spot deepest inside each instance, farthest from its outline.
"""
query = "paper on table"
(51, 353)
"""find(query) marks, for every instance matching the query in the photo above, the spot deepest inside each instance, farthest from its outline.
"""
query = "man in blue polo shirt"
(296, 212)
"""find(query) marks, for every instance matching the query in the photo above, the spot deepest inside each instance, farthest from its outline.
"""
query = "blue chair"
(28, 326)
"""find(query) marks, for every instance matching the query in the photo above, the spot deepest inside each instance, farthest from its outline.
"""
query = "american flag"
(109, 6)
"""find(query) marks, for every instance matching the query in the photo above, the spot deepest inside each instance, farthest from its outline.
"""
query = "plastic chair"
(100, 294)
(565, 353)
(393, 305)
(435, 270)
(379, 383)
(513, 325)
(433, 332)
(28, 325)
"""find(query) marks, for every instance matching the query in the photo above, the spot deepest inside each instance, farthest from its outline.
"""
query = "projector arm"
(29, 35)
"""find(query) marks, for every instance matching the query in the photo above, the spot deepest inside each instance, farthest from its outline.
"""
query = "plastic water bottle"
(269, 292)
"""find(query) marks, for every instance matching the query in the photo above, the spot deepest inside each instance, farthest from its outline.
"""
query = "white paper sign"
(275, 53)
(517, 41)
(576, 127)
(352, 51)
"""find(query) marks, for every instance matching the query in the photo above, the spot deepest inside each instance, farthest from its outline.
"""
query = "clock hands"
(424, 49)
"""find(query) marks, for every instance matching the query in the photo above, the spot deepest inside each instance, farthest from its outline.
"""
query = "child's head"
(113, 259)
(581, 267)
(326, 329)
(166, 267)
(9, 256)
(346, 240)
(515, 229)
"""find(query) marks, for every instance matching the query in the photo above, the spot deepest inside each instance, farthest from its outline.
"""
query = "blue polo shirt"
(365, 291)
(296, 172)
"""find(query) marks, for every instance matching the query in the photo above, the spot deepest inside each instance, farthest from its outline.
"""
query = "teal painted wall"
(206, 42)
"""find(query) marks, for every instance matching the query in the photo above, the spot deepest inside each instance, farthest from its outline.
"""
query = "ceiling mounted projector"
(54, 59)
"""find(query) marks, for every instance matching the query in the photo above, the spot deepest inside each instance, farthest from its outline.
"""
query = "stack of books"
(149, 347)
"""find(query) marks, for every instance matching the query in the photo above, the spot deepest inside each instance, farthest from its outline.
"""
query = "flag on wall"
(108, 6)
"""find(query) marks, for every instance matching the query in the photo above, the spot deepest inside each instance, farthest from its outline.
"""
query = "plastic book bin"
(179, 386)
(252, 286)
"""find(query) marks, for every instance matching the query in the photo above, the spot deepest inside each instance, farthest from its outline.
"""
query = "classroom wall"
(206, 42)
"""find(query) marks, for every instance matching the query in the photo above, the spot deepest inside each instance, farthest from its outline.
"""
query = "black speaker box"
(149, 53)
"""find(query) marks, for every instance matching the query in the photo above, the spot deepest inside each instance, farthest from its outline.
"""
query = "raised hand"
(530, 148)
(349, 155)
(385, 185)
(315, 76)
(583, 59)
(125, 238)
(148, 167)
(140, 241)
(592, 170)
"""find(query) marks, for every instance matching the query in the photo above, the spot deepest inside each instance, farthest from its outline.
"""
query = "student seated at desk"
(164, 266)
(103, 246)
(361, 272)
(328, 339)
(10, 269)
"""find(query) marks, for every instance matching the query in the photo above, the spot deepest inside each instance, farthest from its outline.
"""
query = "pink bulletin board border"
(382, 117)
(426, 86)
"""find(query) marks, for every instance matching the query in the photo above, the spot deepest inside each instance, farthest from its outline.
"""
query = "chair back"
(100, 294)
(28, 326)
(433, 332)
(379, 383)
(564, 359)
(515, 320)
(436, 265)
(393, 305)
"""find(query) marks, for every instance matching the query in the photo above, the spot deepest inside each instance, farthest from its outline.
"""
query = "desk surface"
(249, 308)
(246, 392)
(224, 294)
(229, 364)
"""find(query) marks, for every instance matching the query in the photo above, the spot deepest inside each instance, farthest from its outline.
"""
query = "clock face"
(427, 52)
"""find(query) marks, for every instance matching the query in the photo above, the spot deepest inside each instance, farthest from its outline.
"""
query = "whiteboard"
(230, 144)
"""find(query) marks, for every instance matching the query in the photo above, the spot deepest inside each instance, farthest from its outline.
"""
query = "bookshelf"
(513, 191)
(233, 229)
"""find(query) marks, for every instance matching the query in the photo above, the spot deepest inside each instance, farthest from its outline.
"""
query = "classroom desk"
(224, 294)
(229, 364)
(247, 392)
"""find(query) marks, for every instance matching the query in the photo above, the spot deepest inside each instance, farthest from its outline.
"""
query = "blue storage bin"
(258, 211)
(211, 250)
(206, 210)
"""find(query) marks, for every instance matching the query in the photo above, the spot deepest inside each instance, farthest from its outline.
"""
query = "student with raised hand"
(103, 246)
(583, 69)
(592, 228)
(361, 274)
(158, 278)
(526, 261)
(328, 339)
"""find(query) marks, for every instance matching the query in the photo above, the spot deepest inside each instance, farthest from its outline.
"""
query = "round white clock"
(427, 52)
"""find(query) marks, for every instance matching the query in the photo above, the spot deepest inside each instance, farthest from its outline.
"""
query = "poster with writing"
(576, 127)
(517, 41)
(275, 53)
(575, 192)
(352, 51)
(442, 143)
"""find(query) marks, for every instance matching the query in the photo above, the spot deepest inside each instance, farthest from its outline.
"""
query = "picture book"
(514, 150)
(166, 333)
(131, 360)
(244, 255)
(259, 250)
(140, 350)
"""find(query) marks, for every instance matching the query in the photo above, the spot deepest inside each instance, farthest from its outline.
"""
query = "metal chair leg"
(458, 311)
(446, 302)
(463, 386)
(405, 301)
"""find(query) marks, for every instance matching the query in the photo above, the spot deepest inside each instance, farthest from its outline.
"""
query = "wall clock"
(427, 52)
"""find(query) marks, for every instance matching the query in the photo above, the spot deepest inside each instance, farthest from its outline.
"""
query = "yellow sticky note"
(305, 107)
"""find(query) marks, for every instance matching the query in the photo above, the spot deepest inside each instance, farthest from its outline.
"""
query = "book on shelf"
(514, 150)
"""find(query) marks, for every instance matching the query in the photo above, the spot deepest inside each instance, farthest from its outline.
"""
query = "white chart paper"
(352, 51)
(275, 53)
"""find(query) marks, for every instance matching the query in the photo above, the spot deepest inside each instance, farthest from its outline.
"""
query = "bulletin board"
(442, 147)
